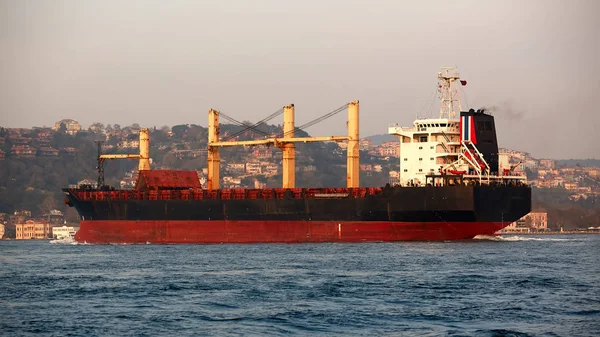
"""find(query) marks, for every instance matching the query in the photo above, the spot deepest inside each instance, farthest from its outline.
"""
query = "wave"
(66, 241)
(517, 238)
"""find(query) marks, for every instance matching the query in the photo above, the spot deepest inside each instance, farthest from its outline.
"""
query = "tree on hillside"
(165, 128)
(48, 204)
(179, 130)
(96, 127)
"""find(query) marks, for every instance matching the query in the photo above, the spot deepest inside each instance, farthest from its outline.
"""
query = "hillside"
(381, 138)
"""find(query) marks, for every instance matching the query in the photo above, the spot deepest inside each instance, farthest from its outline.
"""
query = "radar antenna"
(448, 89)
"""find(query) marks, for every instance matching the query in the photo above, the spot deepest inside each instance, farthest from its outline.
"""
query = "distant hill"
(381, 138)
(581, 162)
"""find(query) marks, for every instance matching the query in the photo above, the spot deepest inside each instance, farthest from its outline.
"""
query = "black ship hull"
(398, 213)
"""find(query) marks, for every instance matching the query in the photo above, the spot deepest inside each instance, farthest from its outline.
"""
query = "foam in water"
(65, 241)
(517, 238)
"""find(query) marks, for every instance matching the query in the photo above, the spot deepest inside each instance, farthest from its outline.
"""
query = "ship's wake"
(516, 238)
(65, 241)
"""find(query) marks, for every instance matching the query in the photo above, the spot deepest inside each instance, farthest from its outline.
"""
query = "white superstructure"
(446, 150)
(431, 144)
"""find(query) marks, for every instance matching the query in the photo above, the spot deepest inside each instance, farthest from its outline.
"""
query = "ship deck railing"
(227, 194)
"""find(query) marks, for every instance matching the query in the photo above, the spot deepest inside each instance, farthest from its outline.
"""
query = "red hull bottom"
(220, 231)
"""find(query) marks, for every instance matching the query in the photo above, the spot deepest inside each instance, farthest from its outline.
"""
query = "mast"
(448, 88)
(100, 166)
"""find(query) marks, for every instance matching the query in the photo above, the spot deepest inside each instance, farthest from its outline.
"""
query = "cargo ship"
(449, 187)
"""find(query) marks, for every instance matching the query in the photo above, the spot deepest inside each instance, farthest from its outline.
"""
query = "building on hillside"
(1, 231)
(262, 152)
(253, 168)
(19, 216)
(271, 169)
(22, 141)
(71, 126)
(63, 232)
(531, 164)
(516, 227)
(69, 151)
(23, 212)
(55, 217)
(259, 184)
(42, 142)
(118, 134)
(45, 134)
(32, 229)
(547, 163)
(532, 222)
(365, 144)
(388, 151)
(593, 172)
(236, 167)
(538, 221)
(570, 186)
(23, 151)
(47, 152)
(231, 182)
(129, 144)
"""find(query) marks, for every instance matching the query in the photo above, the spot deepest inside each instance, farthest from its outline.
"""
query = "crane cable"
(275, 114)
(316, 120)
(248, 127)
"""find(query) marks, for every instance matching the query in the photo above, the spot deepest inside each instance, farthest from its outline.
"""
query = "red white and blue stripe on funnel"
(467, 129)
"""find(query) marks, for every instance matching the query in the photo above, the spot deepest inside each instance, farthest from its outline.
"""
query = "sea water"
(509, 286)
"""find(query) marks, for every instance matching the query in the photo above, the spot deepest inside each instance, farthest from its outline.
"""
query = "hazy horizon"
(166, 63)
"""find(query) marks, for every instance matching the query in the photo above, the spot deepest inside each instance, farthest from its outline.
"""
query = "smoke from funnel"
(506, 111)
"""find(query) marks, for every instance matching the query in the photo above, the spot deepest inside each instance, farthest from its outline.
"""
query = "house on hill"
(72, 126)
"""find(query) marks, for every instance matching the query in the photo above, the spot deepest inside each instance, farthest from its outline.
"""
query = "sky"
(534, 63)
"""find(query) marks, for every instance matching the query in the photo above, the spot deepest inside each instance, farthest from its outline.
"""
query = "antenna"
(448, 89)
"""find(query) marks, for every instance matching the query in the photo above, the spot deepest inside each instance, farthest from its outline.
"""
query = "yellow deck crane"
(143, 156)
(286, 144)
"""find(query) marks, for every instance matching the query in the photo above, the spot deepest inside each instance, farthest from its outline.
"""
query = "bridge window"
(423, 139)
(405, 159)
(421, 159)
(405, 170)
(431, 158)
(420, 170)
